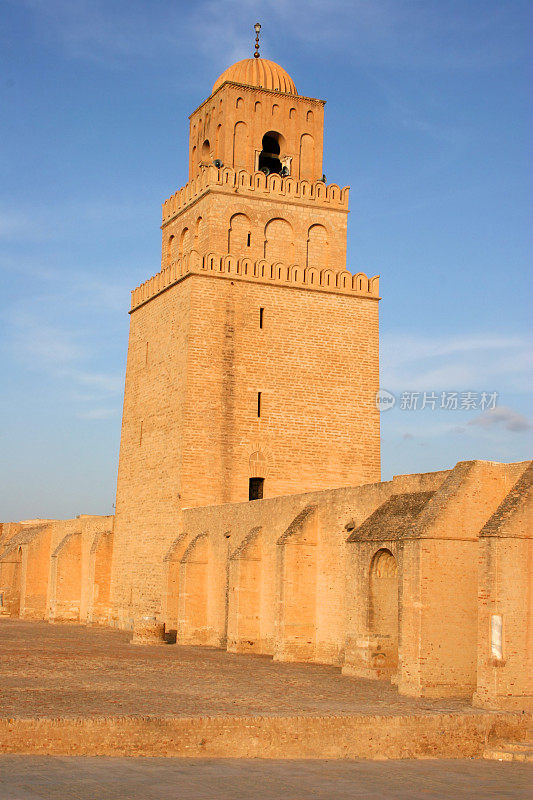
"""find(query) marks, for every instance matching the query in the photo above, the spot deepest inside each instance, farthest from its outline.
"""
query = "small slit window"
(258, 404)
(249, 239)
(261, 317)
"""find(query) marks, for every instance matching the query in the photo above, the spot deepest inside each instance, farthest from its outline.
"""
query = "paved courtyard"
(68, 670)
(31, 778)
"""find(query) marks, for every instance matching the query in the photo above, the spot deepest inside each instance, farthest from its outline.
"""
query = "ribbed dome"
(258, 72)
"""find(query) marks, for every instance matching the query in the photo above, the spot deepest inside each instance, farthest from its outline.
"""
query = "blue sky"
(426, 120)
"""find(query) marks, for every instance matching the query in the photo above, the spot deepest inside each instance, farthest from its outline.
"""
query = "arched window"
(206, 150)
(269, 158)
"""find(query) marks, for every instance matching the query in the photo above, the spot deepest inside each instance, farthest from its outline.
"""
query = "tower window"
(258, 404)
(249, 239)
(261, 313)
(269, 160)
(255, 489)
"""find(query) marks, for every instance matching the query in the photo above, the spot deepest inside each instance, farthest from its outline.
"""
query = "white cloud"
(504, 417)
(109, 384)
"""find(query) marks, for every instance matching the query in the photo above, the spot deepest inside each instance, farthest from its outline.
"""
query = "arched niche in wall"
(298, 590)
(240, 145)
(171, 250)
(307, 157)
(206, 150)
(185, 242)
(383, 610)
(279, 241)
(198, 231)
(317, 247)
(193, 592)
(239, 235)
(245, 589)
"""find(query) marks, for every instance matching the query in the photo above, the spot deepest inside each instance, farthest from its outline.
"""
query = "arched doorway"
(384, 611)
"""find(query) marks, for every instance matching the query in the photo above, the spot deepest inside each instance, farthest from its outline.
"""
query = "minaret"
(253, 353)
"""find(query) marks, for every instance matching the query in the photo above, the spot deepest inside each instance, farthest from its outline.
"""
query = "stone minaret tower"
(253, 353)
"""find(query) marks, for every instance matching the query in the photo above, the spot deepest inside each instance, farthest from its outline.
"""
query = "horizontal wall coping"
(340, 282)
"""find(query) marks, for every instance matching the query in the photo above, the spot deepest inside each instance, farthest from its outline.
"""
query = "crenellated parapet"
(256, 184)
(325, 280)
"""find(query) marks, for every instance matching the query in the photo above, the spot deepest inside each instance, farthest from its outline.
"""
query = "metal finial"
(257, 27)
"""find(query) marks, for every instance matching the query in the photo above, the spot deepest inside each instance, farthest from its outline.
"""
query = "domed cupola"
(258, 72)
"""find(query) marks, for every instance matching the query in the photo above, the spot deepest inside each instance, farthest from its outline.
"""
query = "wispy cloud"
(60, 355)
(99, 31)
(473, 362)
(47, 222)
(504, 417)
(41, 345)
(364, 31)
(98, 413)
(12, 223)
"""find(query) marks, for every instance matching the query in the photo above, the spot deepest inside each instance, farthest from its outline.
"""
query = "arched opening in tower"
(206, 150)
(269, 158)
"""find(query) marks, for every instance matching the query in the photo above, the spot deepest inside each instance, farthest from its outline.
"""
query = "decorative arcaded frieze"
(329, 280)
(255, 184)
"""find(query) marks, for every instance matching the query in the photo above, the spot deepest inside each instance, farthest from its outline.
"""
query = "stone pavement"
(33, 778)
(67, 670)
(69, 690)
